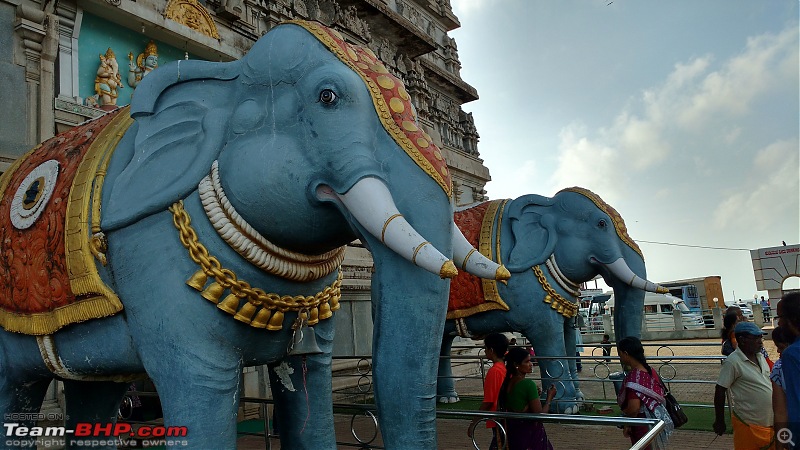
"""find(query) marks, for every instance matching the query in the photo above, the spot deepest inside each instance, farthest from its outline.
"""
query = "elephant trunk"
(473, 261)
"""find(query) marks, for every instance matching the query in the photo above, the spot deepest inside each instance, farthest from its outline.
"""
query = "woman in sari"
(518, 394)
(642, 394)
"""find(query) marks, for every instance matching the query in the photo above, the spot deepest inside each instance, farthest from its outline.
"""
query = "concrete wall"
(13, 94)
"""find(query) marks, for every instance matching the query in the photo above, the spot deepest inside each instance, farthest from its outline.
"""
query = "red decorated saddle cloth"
(468, 293)
(49, 230)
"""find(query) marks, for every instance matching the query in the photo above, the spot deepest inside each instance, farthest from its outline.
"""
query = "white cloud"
(770, 189)
(521, 175)
(684, 121)
(766, 61)
(641, 141)
(731, 136)
(463, 8)
(583, 162)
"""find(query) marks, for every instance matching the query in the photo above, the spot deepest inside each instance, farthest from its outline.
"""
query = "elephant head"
(581, 236)
(314, 144)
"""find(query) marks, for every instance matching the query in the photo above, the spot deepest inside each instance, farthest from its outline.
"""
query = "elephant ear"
(533, 232)
(182, 112)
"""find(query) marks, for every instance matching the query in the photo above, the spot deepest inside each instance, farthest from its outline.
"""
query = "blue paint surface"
(278, 143)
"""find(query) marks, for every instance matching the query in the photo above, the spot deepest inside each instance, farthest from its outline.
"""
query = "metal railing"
(656, 426)
(601, 367)
(359, 394)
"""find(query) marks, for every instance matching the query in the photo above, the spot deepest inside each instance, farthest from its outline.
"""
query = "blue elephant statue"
(551, 246)
(202, 230)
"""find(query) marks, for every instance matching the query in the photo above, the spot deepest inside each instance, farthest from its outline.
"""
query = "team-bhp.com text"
(94, 435)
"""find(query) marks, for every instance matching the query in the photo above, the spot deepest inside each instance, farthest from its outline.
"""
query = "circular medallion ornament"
(33, 194)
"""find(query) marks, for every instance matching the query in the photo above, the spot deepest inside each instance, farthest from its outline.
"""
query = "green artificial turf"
(700, 418)
(250, 426)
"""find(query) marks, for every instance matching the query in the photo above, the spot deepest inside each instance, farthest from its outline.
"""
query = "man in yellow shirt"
(746, 373)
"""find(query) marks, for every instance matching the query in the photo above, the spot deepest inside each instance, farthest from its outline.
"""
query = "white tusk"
(620, 269)
(371, 204)
(468, 259)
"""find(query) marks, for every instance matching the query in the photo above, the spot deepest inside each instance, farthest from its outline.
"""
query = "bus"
(687, 293)
(658, 312)
(699, 294)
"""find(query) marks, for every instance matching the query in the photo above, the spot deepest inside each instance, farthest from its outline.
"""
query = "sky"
(683, 115)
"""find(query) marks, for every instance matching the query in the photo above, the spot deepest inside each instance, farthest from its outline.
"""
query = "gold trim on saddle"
(84, 241)
(260, 309)
(81, 243)
(491, 235)
(488, 241)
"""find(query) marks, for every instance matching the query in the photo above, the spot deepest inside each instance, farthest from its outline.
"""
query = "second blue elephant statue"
(551, 246)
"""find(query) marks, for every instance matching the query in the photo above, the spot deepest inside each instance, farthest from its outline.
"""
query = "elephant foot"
(567, 407)
(449, 398)
(579, 397)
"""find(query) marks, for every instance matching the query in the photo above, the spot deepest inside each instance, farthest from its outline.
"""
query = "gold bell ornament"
(304, 340)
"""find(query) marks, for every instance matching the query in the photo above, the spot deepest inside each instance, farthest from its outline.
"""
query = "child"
(606, 343)
(495, 346)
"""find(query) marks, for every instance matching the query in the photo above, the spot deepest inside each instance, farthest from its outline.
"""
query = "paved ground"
(684, 367)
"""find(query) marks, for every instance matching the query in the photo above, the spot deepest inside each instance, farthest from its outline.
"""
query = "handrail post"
(645, 440)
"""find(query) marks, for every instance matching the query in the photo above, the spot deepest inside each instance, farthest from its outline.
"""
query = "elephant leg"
(302, 390)
(94, 402)
(19, 402)
(199, 392)
(24, 380)
(445, 385)
(571, 348)
(555, 369)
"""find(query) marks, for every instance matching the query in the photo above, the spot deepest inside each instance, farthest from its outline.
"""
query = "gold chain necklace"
(564, 307)
(312, 308)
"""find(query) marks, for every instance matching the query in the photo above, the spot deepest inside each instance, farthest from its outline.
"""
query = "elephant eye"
(327, 96)
(602, 223)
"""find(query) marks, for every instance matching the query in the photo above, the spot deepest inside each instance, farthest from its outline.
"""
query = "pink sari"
(647, 388)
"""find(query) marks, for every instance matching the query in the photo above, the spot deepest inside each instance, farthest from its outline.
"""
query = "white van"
(747, 309)
(658, 312)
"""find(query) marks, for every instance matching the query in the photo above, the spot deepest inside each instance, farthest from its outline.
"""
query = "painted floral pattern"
(33, 273)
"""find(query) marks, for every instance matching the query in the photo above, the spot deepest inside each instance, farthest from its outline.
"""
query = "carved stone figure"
(108, 81)
(192, 14)
(551, 246)
(201, 230)
(145, 63)
(231, 9)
